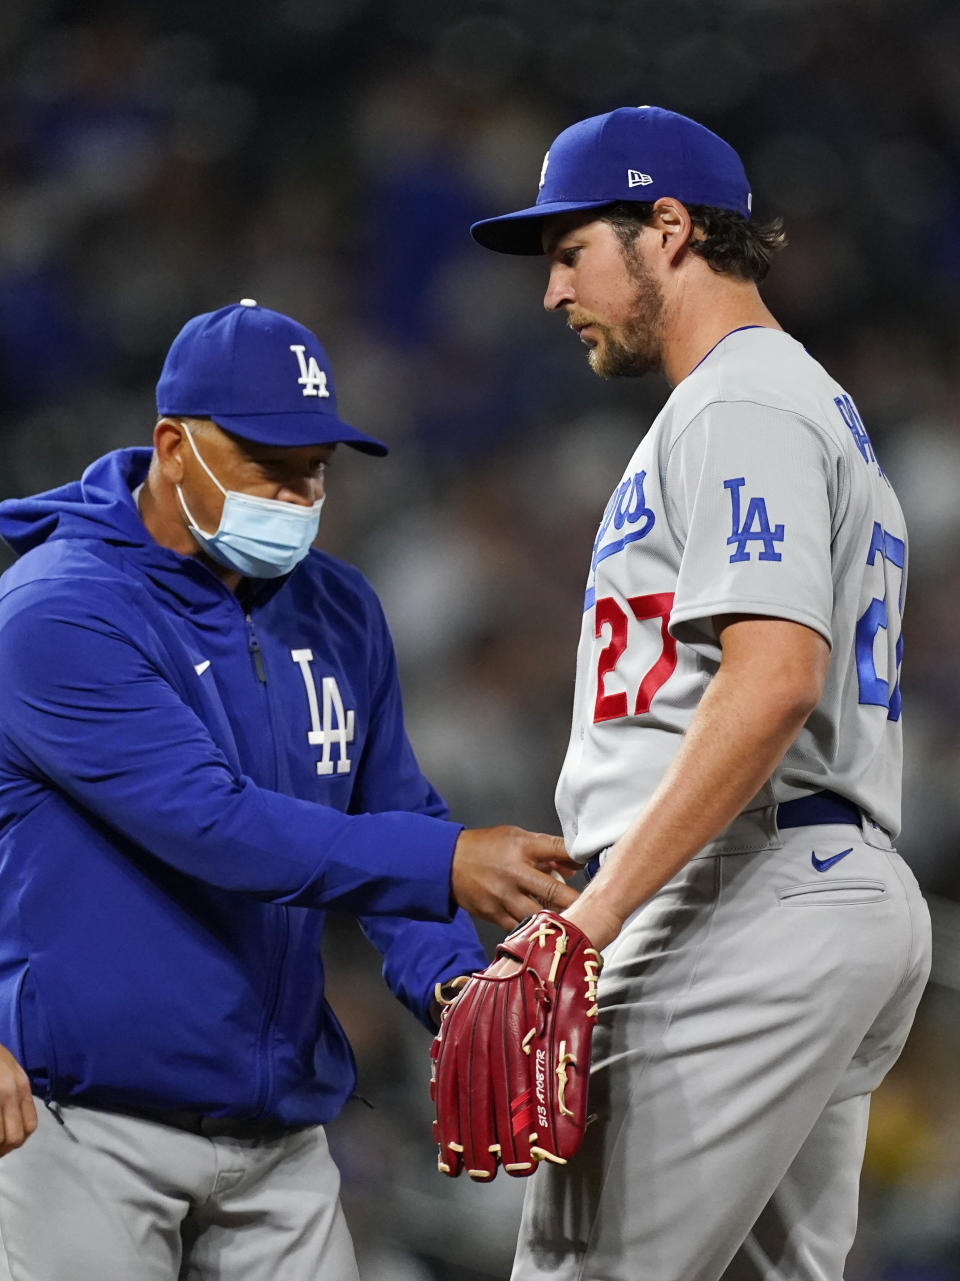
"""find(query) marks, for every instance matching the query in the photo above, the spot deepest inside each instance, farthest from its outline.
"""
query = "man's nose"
(559, 289)
(304, 493)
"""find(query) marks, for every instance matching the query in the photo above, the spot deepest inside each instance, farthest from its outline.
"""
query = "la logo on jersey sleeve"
(755, 526)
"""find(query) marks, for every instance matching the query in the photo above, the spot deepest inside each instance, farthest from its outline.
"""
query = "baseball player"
(733, 776)
(202, 751)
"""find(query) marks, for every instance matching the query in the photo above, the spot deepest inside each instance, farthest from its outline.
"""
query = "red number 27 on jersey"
(608, 613)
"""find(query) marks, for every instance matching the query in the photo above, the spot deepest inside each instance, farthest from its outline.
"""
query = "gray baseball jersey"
(756, 491)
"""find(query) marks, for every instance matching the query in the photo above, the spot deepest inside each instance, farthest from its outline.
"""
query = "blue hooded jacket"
(188, 778)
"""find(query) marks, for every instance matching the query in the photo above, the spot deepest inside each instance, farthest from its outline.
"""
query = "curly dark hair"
(731, 244)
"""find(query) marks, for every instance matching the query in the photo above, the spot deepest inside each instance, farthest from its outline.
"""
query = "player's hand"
(505, 874)
(446, 994)
(18, 1115)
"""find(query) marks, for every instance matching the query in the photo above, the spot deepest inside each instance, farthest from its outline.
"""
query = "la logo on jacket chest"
(336, 726)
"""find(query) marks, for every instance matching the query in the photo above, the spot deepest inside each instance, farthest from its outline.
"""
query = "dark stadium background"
(325, 157)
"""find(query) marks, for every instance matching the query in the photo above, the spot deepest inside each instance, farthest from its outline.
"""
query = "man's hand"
(18, 1115)
(504, 874)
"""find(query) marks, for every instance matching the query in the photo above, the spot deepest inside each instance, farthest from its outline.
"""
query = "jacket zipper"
(256, 653)
(278, 960)
(265, 1066)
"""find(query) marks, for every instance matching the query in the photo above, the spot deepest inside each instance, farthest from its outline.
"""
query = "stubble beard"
(637, 347)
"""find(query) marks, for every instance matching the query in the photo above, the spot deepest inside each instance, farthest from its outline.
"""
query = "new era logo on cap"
(586, 164)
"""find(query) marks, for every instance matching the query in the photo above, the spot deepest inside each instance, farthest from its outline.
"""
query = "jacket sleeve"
(416, 955)
(419, 954)
(85, 711)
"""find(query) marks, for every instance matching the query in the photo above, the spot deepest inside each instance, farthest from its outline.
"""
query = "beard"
(634, 348)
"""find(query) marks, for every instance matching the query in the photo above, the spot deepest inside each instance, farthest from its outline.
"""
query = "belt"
(224, 1127)
(805, 811)
(820, 807)
(213, 1127)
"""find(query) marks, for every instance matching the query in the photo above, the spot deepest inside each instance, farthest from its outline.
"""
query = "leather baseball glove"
(511, 1061)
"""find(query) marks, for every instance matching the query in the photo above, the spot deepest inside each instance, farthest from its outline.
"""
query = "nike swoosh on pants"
(821, 864)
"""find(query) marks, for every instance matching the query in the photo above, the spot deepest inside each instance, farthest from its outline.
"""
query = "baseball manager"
(202, 750)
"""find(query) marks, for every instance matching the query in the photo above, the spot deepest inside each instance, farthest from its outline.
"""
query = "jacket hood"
(99, 506)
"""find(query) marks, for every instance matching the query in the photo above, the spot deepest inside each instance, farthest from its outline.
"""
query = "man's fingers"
(28, 1111)
(547, 851)
(13, 1134)
(558, 896)
(504, 874)
(549, 892)
(517, 907)
(537, 890)
(11, 1121)
(18, 1113)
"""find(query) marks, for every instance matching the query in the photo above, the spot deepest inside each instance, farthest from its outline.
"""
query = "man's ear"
(168, 447)
(671, 221)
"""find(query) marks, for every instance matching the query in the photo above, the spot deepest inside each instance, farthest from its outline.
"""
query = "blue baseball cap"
(633, 153)
(257, 374)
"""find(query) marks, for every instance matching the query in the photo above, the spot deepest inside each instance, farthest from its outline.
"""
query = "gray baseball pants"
(746, 1014)
(110, 1197)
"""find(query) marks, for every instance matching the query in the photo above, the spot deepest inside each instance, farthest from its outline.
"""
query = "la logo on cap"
(637, 179)
(312, 378)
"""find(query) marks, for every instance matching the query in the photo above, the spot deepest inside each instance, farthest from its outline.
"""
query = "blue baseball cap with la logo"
(633, 153)
(259, 375)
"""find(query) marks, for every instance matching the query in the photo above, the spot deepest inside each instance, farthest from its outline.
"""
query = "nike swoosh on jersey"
(200, 668)
(822, 864)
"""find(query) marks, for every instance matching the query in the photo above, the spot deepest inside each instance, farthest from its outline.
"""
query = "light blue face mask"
(257, 537)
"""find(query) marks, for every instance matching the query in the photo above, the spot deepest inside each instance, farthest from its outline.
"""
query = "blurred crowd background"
(325, 157)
